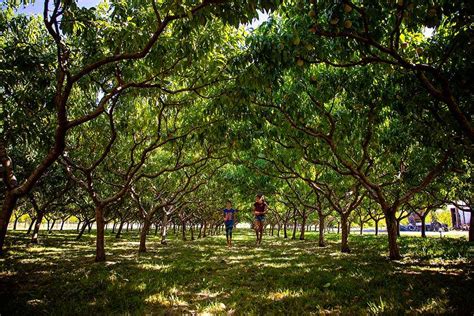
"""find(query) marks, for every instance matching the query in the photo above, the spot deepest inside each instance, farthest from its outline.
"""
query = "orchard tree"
(86, 57)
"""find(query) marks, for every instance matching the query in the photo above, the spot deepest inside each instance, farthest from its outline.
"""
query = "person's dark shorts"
(260, 218)
(229, 224)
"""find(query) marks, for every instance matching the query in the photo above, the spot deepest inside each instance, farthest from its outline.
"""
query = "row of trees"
(160, 110)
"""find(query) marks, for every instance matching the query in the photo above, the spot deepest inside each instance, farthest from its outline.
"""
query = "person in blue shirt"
(229, 220)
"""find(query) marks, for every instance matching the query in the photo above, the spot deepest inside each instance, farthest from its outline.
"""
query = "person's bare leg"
(255, 224)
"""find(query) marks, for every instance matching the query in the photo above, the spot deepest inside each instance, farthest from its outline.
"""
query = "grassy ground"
(203, 276)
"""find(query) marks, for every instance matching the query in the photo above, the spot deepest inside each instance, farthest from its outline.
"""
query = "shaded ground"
(203, 276)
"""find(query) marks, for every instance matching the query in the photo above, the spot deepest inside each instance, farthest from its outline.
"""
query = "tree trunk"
(83, 229)
(78, 225)
(423, 225)
(397, 221)
(39, 219)
(100, 234)
(119, 230)
(295, 223)
(192, 232)
(8, 206)
(278, 230)
(15, 222)
(285, 233)
(471, 226)
(52, 226)
(345, 233)
(204, 231)
(200, 230)
(392, 232)
(361, 227)
(183, 233)
(33, 221)
(62, 225)
(376, 228)
(113, 227)
(321, 242)
(303, 227)
(143, 234)
(338, 227)
(164, 228)
(156, 229)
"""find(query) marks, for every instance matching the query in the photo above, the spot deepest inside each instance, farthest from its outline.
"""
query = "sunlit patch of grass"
(154, 267)
(213, 308)
(282, 294)
(434, 306)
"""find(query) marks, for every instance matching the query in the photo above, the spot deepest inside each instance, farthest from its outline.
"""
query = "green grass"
(203, 276)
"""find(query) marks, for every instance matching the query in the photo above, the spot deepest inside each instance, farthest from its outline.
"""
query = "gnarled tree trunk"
(143, 234)
(303, 226)
(321, 241)
(8, 205)
(100, 237)
(164, 228)
(392, 232)
(345, 233)
(39, 219)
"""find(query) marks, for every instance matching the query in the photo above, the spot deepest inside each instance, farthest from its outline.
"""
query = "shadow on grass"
(280, 277)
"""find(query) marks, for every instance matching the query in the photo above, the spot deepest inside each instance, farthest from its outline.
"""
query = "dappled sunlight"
(282, 294)
(206, 277)
(155, 267)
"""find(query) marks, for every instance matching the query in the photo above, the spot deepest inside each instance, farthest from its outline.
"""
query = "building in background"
(460, 215)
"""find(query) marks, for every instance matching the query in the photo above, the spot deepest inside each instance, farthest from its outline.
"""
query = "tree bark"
(345, 234)
(285, 233)
(143, 234)
(33, 221)
(321, 242)
(83, 229)
(471, 226)
(376, 228)
(39, 219)
(8, 205)
(100, 234)
(423, 225)
(52, 226)
(295, 223)
(164, 228)
(15, 222)
(183, 233)
(392, 232)
(303, 227)
(119, 230)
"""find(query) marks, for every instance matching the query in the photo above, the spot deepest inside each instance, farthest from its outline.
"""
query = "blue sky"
(37, 8)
